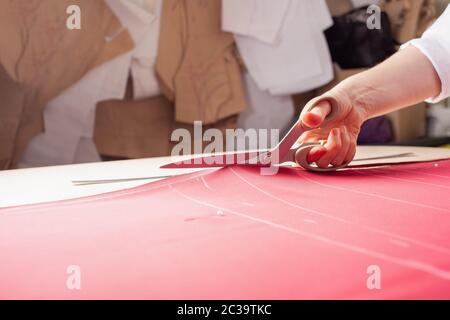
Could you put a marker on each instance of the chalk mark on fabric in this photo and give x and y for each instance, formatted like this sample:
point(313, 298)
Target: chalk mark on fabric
point(420, 205)
point(413, 264)
point(400, 243)
point(375, 230)
point(424, 173)
point(380, 175)
point(205, 183)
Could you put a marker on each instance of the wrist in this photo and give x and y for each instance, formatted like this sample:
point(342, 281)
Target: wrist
point(362, 97)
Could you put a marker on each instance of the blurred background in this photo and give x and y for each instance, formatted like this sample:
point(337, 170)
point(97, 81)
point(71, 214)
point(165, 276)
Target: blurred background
point(112, 79)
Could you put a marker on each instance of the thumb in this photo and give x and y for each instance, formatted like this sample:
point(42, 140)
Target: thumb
point(317, 114)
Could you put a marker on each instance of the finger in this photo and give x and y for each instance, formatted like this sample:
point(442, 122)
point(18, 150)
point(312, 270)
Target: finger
point(317, 114)
point(314, 135)
point(333, 146)
point(351, 152)
point(345, 141)
point(314, 154)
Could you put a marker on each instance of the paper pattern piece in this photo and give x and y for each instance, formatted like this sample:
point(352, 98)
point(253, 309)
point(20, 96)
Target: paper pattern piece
point(386, 155)
point(69, 118)
point(264, 110)
point(43, 58)
point(297, 58)
point(234, 234)
point(197, 65)
point(259, 19)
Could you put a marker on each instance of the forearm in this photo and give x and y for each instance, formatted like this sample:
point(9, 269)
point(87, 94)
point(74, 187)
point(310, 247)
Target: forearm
point(407, 78)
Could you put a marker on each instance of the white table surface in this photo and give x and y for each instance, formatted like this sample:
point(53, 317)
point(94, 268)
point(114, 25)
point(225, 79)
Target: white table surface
point(38, 185)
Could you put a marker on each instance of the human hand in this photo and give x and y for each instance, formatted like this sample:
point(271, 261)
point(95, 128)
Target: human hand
point(340, 129)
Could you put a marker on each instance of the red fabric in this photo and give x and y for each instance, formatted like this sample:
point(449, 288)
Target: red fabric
point(234, 234)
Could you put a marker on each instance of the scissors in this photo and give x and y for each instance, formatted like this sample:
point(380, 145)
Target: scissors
point(287, 150)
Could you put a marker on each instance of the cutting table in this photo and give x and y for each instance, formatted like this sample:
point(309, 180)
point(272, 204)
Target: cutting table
point(369, 233)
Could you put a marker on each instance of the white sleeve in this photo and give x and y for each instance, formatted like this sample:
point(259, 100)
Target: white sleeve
point(435, 44)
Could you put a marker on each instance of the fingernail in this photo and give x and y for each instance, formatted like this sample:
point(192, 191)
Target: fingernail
point(311, 119)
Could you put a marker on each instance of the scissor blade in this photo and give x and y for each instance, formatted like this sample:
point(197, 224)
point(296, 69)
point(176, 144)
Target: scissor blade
point(282, 152)
point(218, 160)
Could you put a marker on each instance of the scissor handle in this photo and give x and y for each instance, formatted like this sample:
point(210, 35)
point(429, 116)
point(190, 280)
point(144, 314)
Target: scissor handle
point(301, 157)
point(302, 151)
point(282, 150)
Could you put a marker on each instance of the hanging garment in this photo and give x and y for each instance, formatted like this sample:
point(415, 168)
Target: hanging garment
point(259, 19)
point(265, 111)
point(70, 117)
point(150, 135)
point(363, 3)
point(261, 29)
point(196, 63)
point(143, 61)
point(339, 7)
point(353, 45)
point(152, 121)
point(12, 97)
point(298, 59)
point(44, 58)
